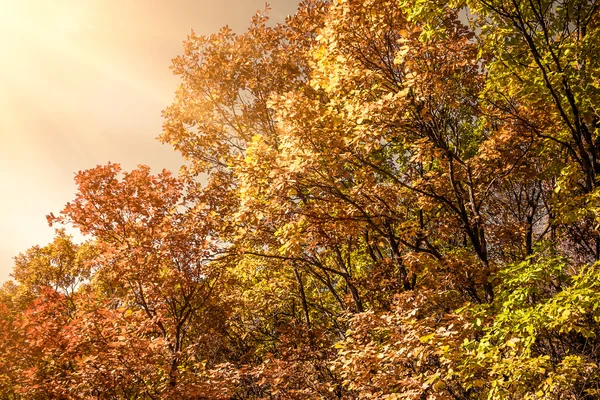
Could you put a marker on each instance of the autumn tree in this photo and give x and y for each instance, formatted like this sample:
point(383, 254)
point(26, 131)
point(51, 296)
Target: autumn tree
point(381, 199)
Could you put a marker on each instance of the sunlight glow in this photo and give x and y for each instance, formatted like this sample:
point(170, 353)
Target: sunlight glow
point(83, 82)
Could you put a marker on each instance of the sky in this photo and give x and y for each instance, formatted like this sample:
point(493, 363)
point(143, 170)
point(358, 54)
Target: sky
point(82, 83)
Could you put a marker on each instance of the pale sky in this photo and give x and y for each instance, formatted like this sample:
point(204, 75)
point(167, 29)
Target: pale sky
point(83, 82)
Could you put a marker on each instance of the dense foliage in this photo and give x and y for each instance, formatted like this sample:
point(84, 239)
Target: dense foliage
point(385, 199)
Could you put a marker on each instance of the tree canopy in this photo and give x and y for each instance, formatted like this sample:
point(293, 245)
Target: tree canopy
point(382, 199)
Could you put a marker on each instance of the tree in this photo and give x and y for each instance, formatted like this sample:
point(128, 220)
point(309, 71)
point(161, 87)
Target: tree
point(382, 199)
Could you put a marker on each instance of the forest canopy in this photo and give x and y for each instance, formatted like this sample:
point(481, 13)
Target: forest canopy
point(380, 199)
